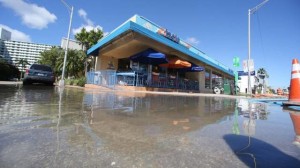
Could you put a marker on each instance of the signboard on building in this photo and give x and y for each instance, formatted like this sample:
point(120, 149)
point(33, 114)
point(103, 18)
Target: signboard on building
point(168, 35)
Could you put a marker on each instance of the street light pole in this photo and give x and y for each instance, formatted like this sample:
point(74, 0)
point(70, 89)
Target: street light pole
point(62, 80)
point(249, 52)
point(251, 11)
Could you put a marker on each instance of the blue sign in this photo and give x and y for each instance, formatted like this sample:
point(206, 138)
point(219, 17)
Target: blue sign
point(242, 73)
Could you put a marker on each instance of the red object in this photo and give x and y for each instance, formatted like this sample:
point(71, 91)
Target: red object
point(296, 122)
point(295, 82)
point(27, 71)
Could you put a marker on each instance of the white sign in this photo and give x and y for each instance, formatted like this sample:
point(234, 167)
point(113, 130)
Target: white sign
point(245, 65)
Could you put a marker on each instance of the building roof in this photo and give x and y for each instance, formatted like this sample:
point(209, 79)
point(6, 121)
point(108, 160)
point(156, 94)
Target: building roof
point(151, 30)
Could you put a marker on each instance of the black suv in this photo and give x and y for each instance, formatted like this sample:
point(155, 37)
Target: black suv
point(38, 73)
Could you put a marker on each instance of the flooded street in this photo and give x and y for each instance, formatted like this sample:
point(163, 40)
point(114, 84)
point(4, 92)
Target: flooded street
point(43, 126)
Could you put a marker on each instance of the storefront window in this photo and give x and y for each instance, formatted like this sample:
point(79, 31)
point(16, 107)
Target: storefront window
point(207, 79)
point(217, 80)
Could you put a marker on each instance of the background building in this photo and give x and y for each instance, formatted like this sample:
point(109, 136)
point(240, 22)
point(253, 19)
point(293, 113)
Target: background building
point(13, 51)
point(243, 81)
point(4, 34)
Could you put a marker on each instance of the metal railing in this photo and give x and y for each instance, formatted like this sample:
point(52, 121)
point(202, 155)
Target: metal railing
point(105, 78)
point(110, 78)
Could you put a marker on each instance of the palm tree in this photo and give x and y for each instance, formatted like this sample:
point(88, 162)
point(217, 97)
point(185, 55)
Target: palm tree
point(23, 62)
point(262, 71)
point(87, 39)
point(82, 38)
point(262, 74)
point(74, 66)
point(52, 58)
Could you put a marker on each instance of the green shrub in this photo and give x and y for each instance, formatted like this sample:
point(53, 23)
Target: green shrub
point(67, 81)
point(75, 82)
point(81, 81)
point(259, 90)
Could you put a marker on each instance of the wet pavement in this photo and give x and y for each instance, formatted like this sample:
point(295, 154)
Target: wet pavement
point(42, 126)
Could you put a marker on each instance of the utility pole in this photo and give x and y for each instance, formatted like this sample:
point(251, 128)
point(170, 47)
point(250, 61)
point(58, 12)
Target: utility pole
point(251, 11)
point(62, 80)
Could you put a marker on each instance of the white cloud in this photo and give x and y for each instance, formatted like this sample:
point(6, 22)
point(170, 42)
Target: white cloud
point(88, 24)
point(32, 15)
point(17, 35)
point(82, 13)
point(192, 40)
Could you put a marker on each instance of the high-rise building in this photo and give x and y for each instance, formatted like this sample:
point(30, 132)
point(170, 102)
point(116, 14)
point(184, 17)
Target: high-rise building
point(5, 34)
point(13, 51)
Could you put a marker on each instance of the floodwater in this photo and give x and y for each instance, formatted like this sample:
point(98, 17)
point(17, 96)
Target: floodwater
point(43, 126)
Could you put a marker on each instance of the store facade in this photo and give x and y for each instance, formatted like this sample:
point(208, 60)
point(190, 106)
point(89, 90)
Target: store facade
point(169, 62)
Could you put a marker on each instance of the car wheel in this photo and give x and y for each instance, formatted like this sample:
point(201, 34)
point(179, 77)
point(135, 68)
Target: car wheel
point(25, 82)
point(49, 84)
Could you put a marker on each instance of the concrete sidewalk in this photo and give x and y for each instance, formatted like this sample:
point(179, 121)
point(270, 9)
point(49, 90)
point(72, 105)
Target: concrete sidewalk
point(10, 82)
point(130, 91)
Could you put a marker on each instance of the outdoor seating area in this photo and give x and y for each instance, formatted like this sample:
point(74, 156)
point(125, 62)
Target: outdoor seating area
point(157, 80)
point(149, 68)
point(110, 78)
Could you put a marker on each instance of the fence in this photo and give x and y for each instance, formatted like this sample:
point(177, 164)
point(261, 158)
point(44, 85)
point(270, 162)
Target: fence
point(106, 78)
point(109, 78)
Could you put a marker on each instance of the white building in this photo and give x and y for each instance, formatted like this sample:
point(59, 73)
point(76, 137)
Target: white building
point(243, 81)
point(13, 51)
point(5, 34)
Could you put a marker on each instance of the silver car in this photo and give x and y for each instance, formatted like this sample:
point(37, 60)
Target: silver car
point(38, 73)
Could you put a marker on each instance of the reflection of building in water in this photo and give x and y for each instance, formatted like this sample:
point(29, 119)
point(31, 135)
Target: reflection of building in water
point(252, 111)
point(143, 121)
point(126, 102)
point(23, 103)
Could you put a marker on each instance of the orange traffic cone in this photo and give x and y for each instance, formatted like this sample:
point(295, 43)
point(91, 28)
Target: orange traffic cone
point(294, 97)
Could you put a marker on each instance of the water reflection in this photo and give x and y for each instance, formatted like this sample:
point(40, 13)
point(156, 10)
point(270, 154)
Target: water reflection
point(294, 112)
point(296, 122)
point(90, 128)
point(252, 111)
point(256, 152)
point(141, 121)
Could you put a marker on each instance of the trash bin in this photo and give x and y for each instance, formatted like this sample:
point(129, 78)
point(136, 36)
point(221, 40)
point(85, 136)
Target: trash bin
point(227, 89)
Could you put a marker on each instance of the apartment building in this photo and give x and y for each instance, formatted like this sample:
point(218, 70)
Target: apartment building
point(13, 51)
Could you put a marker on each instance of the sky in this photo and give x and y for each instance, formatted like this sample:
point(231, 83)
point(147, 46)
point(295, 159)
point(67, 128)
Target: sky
point(217, 27)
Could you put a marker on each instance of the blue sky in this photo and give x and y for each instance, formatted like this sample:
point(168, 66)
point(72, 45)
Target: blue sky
point(217, 27)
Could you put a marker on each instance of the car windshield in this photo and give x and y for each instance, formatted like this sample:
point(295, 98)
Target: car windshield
point(41, 68)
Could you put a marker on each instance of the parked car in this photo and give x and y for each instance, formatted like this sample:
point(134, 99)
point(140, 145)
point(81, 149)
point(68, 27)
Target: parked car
point(38, 73)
